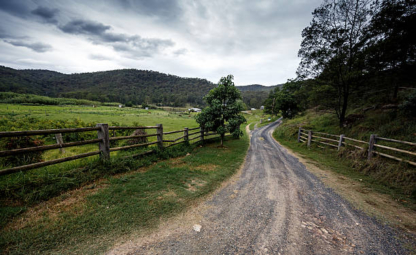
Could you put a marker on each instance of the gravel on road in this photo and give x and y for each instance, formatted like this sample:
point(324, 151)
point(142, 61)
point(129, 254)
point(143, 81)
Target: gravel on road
point(275, 206)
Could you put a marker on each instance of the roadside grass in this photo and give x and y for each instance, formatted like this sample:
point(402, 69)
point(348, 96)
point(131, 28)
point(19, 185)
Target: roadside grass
point(267, 122)
point(254, 117)
point(92, 218)
point(383, 176)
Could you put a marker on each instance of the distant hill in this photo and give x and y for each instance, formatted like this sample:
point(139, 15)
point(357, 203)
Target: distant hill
point(257, 87)
point(125, 86)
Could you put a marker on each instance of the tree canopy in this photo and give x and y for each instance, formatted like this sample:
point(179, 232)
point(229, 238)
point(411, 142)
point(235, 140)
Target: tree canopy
point(354, 50)
point(222, 114)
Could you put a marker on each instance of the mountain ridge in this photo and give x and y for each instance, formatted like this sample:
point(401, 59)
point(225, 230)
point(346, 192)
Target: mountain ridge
point(122, 85)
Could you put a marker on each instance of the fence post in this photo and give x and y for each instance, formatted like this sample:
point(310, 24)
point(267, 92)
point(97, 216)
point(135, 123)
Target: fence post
point(160, 135)
point(185, 134)
point(104, 145)
point(60, 141)
point(299, 132)
point(373, 139)
point(309, 138)
point(202, 135)
point(341, 139)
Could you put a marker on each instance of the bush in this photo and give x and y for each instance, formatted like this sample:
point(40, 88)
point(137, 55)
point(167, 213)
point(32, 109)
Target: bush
point(408, 107)
point(13, 143)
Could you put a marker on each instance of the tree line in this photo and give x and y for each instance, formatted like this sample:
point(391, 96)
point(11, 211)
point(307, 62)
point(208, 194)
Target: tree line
point(354, 52)
point(128, 86)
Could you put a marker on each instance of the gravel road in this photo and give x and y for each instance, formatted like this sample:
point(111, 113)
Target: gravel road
point(276, 207)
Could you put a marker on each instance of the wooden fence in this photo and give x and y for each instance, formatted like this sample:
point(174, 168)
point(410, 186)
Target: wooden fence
point(338, 141)
point(103, 140)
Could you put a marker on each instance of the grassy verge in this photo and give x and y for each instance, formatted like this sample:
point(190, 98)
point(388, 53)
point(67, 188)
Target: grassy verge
point(254, 117)
point(387, 177)
point(90, 219)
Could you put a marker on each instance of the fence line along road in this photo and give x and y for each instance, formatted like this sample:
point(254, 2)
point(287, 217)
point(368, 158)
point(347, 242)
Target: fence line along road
point(103, 141)
point(309, 136)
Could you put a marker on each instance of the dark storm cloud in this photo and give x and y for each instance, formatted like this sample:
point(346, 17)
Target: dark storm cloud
point(85, 27)
point(46, 14)
point(100, 34)
point(37, 46)
point(15, 7)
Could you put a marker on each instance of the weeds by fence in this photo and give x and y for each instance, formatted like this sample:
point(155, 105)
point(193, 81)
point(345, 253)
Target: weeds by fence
point(103, 140)
point(372, 146)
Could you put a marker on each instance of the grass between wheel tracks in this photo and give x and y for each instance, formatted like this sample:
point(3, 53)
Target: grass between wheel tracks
point(90, 219)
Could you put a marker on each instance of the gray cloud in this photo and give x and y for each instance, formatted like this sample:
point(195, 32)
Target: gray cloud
point(180, 52)
point(85, 27)
point(100, 34)
point(257, 41)
point(15, 7)
point(37, 46)
point(46, 14)
point(161, 9)
point(98, 57)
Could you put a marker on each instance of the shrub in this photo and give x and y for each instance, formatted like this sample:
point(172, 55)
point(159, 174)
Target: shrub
point(408, 107)
point(13, 143)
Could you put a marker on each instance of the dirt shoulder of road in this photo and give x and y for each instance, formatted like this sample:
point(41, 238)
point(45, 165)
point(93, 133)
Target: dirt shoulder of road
point(380, 206)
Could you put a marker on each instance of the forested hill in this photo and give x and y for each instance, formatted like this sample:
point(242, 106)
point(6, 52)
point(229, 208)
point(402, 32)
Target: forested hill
point(127, 85)
point(257, 87)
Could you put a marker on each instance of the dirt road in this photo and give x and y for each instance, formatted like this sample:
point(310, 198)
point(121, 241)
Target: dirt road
point(275, 207)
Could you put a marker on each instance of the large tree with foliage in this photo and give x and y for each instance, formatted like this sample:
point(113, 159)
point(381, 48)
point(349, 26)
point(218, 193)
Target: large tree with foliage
point(223, 112)
point(332, 46)
point(289, 100)
point(391, 53)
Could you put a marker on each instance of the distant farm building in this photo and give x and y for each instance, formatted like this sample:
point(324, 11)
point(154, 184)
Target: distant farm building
point(194, 110)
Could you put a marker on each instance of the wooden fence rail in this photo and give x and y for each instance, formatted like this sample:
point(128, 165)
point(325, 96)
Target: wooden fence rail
point(308, 136)
point(103, 141)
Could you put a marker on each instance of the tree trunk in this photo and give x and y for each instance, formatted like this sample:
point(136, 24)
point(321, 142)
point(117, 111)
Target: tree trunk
point(343, 110)
point(222, 140)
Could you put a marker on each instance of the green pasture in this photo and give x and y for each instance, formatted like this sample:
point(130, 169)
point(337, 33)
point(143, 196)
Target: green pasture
point(101, 114)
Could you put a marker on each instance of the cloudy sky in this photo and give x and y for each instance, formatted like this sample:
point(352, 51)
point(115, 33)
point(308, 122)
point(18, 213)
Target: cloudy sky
point(256, 41)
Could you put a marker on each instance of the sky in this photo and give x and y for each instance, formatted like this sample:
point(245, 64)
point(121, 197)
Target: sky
point(256, 41)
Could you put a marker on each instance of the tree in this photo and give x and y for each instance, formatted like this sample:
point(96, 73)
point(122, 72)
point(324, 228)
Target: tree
point(288, 100)
point(222, 114)
point(332, 46)
point(391, 54)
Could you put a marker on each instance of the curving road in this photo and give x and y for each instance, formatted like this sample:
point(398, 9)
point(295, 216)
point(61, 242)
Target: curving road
point(276, 207)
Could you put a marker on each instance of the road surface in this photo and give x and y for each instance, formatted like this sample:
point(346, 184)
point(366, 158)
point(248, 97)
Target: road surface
point(276, 207)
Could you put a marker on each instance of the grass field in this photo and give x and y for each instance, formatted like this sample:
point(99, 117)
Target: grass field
point(91, 219)
point(21, 193)
point(101, 114)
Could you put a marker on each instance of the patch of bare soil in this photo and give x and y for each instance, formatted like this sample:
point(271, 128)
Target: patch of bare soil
point(381, 206)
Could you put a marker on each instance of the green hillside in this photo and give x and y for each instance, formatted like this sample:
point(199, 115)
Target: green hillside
point(127, 85)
